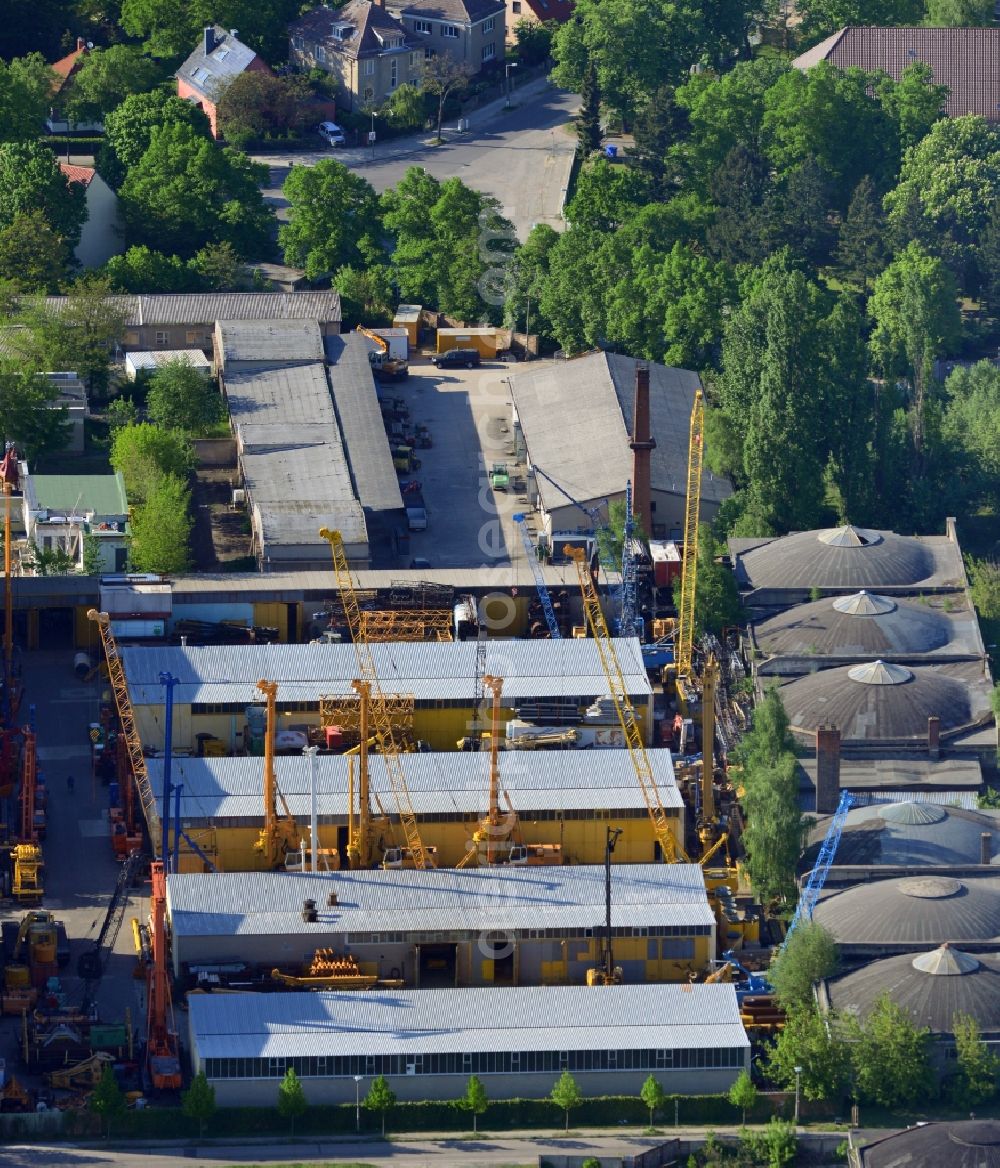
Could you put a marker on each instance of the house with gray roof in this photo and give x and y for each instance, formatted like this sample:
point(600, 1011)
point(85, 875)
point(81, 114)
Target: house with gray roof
point(369, 52)
point(471, 31)
point(219, 58)
point(966, 60)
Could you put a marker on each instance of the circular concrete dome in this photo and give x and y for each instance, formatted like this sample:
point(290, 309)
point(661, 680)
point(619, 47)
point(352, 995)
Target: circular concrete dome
point(841, 558)
point(929, 887)
point(945, 962)
point(864, 603)
point(912, 813)
point(881, 701)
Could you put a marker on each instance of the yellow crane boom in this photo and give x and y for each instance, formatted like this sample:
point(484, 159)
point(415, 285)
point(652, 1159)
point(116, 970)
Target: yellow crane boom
point(126, 718)
point(684, 645)
point(381, 722)
point(671, 849)
point(277, 833)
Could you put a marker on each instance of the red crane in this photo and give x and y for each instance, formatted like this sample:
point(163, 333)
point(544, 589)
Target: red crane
point(162, 1058)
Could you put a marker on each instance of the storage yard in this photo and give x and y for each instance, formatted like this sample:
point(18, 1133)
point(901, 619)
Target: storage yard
point(450, 820)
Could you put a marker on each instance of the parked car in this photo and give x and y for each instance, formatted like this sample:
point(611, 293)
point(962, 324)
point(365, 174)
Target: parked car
point(332, 134)
point(455, 358)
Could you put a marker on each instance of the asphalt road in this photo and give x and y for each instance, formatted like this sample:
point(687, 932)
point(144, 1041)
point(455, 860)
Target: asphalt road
point(522, 156)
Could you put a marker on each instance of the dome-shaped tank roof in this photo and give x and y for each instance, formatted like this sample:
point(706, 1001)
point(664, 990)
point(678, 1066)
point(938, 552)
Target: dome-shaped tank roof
point(963, 1144)
point(879, 703)
point(945, 961)
point(917, 910)
point(846, 557)
point(861, 626)
point(912, 813)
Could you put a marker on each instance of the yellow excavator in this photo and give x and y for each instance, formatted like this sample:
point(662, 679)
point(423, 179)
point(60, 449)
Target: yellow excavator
point(385, 367)
point(81, 1076)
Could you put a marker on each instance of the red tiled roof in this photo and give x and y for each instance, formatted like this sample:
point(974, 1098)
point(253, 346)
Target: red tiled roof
point(83, 175)
point(967, 60)
point(66, 66)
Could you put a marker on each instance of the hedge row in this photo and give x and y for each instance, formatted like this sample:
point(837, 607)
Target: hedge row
point(506, 1114)
point(73, 144)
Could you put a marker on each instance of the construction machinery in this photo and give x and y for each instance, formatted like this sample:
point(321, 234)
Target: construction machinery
point(11, 692)
point(707, 818)
point(432, 624)
point(500, 476)
point(684, 648)
point(279, 832)
point(496, 839)
point(671, 850)
point(162, 1061)
point(414, 854)
point(607, 973)
point(536, 571)
point(384, 366)
point(330, 971)
point(27, 886)
point(126, 720)
point(82, 1076)
point(90, 964)
point(817, 877)
point(33, 956)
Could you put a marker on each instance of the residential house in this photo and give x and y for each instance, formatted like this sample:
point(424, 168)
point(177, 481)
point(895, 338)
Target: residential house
point(471, 31)
point(966, 60)
point(369, 52)
point(536, 12)
point(219, 59)
point(62, 511)
point(101, 237)
point(65, 69)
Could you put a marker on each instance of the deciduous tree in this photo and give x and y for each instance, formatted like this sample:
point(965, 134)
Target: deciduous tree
point(107, 1099)
point(978, 1066)
point(566, 1094)
point(475, 1100)
point(405, 108)
point(33, 257)
point(106, 77)
point(820, 17)
point(255, 104)
point(534, 40)
point(25, 94)
point(27, 416)
point(588, 120)
point(333, 219)
point(128, 129)
point(971, 423)
point(30, 180)
point(743, 1094)
point(380, 1098)
point(959, 13)
point(441, 75)
point(653, 1095)
point(198, 1101)
point(292, 1102)
point(913, 102)
point(817, 1044)
point(140, 269)
point(891, 1057)
point(809, 956)
point(145, 453)
point(181, 397)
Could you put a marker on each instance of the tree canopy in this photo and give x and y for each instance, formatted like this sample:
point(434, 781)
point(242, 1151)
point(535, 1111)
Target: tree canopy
point(332, 219)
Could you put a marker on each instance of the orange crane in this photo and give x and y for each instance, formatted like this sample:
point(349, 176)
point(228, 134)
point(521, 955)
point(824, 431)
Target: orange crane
point(278, 834)
point(126, 719)
point(414, 854)
point(684, 645)
point(671, 849)
point(162, 1058)
point(384, 365)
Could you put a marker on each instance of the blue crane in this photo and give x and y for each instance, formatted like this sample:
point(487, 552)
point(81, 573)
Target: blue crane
point(536, 571)
point(817, 877)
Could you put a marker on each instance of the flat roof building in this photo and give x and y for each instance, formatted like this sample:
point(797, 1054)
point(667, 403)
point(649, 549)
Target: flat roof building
point(471, 926)
point(428, 1042)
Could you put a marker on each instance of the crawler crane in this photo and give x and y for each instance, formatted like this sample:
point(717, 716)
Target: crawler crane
point(414, 854)
point(162, 1059)
point(279, 834)
point(684, 646)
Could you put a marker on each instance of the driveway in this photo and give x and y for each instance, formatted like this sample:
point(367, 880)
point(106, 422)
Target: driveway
point(521, 156)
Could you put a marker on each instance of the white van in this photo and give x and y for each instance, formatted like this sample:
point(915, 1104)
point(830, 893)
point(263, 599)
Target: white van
point(332, 133)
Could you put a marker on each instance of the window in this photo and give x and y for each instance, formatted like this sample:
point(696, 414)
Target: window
point(369, 70)
point(369, 94)
point(191, 337)
point(416, 59)
point(449, 30)
point(428, 53)
point(221, 54)
point(297, 43)
point(321, 54)
point(516, 7)
point(490, 25)
point(394, 73)
point(162, 337)
point(489, 51)
point(422, 26)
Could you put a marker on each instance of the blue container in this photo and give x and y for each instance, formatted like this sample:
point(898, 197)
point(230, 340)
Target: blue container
point(113, 794)
point(611, 152)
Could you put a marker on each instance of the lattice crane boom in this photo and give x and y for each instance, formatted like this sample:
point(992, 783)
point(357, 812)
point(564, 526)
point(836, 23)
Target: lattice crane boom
point(536, 571)
point(671, 849)
point(381, 723)
point(161, 1037)
point(689, 561)
point(817, 877)
point(126, 718)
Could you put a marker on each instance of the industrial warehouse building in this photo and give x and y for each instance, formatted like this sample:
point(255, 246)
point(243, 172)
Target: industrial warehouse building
point(217, 683)
point(573, 420)
point(475, 926)
point(427, 1043)
point(566, 797)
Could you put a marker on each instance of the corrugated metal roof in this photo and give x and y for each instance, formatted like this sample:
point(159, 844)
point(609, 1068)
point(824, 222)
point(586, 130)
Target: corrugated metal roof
point(431, 671)
point(576, 417)
point(498, 1018)
point(208, 307)
point(558, 780)
point(154, 358)
point(280, 395)
point(271, 340)
point(361, 423)
point(228, 904)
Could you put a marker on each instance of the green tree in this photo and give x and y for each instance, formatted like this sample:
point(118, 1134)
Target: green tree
point(653, 1095)
point(107, 1099)
point(140, 269)
point(959, 13)
point(913, 102)
point(405, 109)
point(217, 267)
point(475, 1100)
point(122, 412)
point(93, 559)
point(172, 28)
point(32, 256)
point(30, 180)
point(185, 192)
point(566, 1094)
point(743, 1094)
point(533, 40)
point(366, 294)
point(181, 397)
point(27, 416)
point(606, 196)
point(333, 219)
point(984, 586)
point(892, 1057)
point(380, 1098)
point(772, 836)
point(978, 1066)
point(821, 17)
point(440, 76)
point(145, 453)
point(588, 120)
point(106, 77)
point(128, 129)
point(817, 1044)
point(255, 104)
point(740, 189)
point(292, 1102)
point(161, 528)
point(198, 1102)
point(25, 95)
point(527, 274)
point(861, 246)
point(915, 311)
point(717, 601)
point(82, 333)
point(987, 260)
point(781, 1142)
point(798, 216)
point(809, 956)
point(572, 293)
point(971, 422)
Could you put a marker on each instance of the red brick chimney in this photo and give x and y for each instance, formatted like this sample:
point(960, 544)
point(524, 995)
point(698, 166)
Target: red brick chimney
point(641, 444)
point(934, 736)
point(827, 769)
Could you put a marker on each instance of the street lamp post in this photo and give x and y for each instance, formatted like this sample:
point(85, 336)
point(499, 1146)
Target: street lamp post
point(357, 1102)
point(510, 65)
point(371, 136)
point(798, 1083)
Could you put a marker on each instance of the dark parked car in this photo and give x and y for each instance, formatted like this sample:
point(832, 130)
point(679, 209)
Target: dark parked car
point(455, 358)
